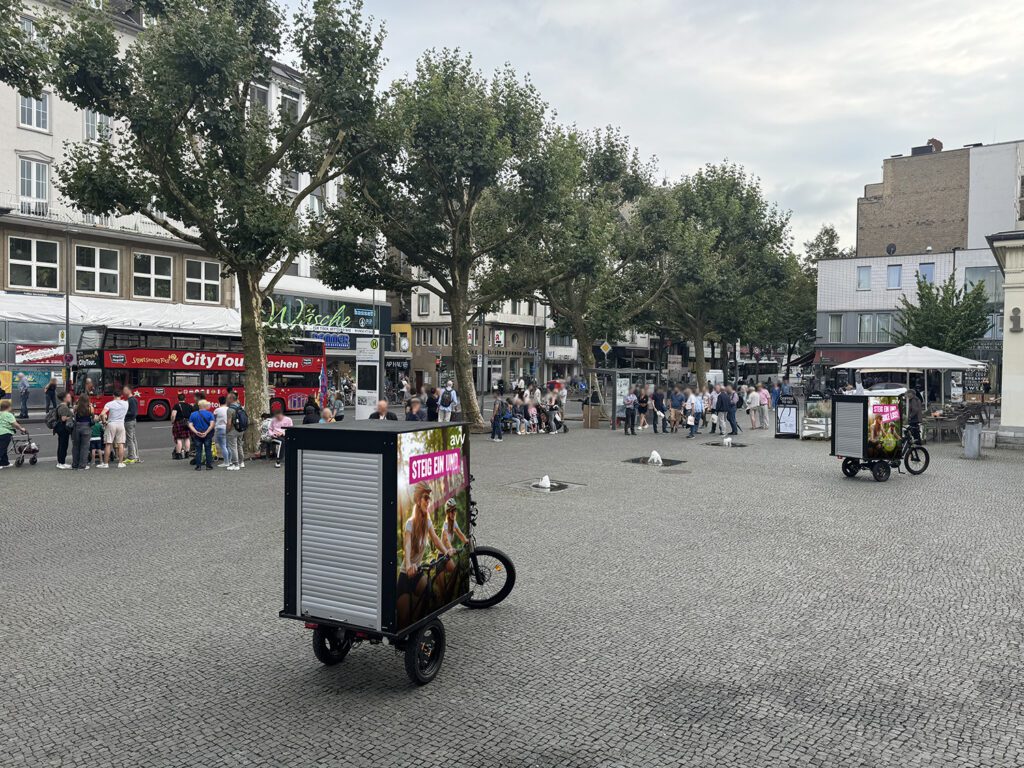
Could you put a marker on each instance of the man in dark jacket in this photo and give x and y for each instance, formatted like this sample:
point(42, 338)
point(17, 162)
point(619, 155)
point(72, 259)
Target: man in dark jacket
point(382, 413)
point(915, 408)
point(727, 406)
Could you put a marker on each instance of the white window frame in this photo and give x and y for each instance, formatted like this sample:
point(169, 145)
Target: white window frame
point(445, 309)
point(202, 281)
point(288, 95)
point(33, 263)
point(258, 88)
point(868, 268)
point(837, 338)
point(869, 337)
point(318, 200)
point(96, 270)
point(423, 304)
point(879, 331)
point(890, 270)
point(931, 264)
point(97, 125)
point(33, 204)
point(36, 108)
point(153, 277)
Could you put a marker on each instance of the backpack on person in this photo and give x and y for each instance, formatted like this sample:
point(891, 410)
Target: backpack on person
point(240, 419)
point(446, 399)
point(52, 419)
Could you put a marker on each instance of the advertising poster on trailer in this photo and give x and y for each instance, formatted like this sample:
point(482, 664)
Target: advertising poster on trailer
point(433, 522)
point(884, 427)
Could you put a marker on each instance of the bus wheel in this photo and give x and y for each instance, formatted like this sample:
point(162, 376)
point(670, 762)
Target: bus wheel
point(159, 410)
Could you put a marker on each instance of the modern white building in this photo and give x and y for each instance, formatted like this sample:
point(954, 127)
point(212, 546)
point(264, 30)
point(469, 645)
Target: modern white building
point(931, 216)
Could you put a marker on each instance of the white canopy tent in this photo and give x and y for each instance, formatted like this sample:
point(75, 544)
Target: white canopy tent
point(908, 359)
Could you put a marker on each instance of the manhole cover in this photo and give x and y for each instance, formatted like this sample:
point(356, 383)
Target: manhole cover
point(555, 486)
point(647, 460)
point(718, 444)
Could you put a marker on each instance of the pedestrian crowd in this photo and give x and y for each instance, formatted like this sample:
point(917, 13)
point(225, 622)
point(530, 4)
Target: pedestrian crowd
point(691, 409)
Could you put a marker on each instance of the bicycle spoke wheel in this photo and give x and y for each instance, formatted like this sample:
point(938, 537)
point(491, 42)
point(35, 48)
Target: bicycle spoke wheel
point(916, 460)
point(491, 577)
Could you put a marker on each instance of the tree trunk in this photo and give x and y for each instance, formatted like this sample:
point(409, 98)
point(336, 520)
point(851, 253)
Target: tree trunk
point(464, 365)
point(254, 348)
point(699, 367)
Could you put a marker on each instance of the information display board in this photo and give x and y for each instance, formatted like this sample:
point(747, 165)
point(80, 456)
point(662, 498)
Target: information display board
point(787, 417)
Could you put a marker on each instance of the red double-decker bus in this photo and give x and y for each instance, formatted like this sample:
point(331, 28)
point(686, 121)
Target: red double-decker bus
point(159, 365)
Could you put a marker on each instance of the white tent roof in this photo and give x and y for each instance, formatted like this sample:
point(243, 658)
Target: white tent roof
point(89, 310)
point(909, 358)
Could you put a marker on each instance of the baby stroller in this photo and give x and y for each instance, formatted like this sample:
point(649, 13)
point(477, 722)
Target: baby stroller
point(23, 447)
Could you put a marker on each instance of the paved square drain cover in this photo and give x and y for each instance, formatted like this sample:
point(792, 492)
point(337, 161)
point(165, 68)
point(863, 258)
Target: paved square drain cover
point(556, 486)
point(647, 460)
point(720, 444)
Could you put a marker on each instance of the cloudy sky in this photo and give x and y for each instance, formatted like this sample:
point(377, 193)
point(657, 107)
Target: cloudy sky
point(810, 95)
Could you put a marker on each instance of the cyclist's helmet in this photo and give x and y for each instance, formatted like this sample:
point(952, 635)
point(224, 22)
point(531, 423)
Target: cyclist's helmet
point(450, 504)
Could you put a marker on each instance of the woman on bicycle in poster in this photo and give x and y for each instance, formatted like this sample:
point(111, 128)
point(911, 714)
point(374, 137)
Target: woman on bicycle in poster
point(417, 533)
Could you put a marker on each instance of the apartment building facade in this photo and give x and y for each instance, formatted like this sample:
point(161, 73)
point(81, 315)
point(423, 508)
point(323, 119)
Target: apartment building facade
point(929, 217)
point(60, 266)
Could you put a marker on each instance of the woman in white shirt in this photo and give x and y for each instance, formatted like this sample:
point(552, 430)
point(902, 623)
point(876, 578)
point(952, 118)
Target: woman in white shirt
point(753, 403)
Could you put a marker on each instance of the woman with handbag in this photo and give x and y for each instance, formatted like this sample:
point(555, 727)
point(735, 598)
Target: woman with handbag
point(82, 434)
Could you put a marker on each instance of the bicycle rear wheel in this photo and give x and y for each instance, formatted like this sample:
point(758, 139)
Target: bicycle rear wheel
point(491, 577)
point(917, 459)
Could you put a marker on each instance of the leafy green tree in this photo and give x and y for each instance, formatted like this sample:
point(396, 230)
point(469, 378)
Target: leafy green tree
point(192, 152)
point(23, 61)
point(790, 321)
point(605, 289)
point(725, 244)
point(825, 245)
point(450, 205)
point(945, 317)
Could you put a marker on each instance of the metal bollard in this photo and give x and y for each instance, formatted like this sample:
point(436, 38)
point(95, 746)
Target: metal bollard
point(972, 439)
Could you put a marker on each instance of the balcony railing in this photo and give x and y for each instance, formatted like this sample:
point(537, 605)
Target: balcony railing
point(68, 215)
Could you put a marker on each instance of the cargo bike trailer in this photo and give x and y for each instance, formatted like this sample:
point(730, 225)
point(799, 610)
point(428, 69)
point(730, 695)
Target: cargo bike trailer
point(868, 433)
point(378, 539)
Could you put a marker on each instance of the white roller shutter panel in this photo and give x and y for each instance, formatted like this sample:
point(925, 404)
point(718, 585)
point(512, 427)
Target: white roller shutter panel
point(849, 429)
point(339, 499)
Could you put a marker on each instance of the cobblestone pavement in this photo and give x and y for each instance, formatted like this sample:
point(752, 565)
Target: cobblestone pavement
point(750, 607)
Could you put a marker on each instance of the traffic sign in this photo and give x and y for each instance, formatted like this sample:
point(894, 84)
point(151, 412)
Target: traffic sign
point(605, 347)
point(62, 336)
point(69, 358)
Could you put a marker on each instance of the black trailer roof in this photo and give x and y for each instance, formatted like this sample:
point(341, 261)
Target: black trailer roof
point(375, 425)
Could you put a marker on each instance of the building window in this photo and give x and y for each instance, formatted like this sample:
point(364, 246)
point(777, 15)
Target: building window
point(863, 278)
point(515, 307)
point(151, 276)
point(835, 329)
point(529, 307)
point(883, 329)
point(202, 281)
point(926, 272)
point(423, 303)
point(259, 96)
point(446, 337)
point(35, 187)
point(317, 201)
point(32, 263)
point(34, 113)
point(97, 125)
point(471, 337)
point(291, 181)
point(991, 276)
point(96, 270)
point(894, 276)
point(515, 339)
point(865, 329)
point(445, 309)
point(290, 104)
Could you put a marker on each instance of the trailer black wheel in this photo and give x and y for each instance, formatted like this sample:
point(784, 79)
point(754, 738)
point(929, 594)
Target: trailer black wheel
point(424, 652)
point(491, 577)
point(851, 467)
point(35, 459)
point(916, 460)
point(331, 645)
point(880, 471)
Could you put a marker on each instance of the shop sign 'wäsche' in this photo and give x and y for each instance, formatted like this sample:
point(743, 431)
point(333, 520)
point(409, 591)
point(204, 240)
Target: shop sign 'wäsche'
point(299, 315)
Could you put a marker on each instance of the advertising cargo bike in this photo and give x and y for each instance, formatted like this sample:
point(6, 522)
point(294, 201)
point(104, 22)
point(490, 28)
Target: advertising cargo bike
point(378, 538)
point(868, 433)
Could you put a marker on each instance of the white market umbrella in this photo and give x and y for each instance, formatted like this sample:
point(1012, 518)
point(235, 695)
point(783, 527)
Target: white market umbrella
point(910, 358)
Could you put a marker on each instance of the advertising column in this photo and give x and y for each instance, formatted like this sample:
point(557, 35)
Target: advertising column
point(367, 376)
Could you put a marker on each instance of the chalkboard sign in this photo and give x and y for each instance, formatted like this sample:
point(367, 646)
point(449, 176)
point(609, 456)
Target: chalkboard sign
point(786, 417)
point(973, 380)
